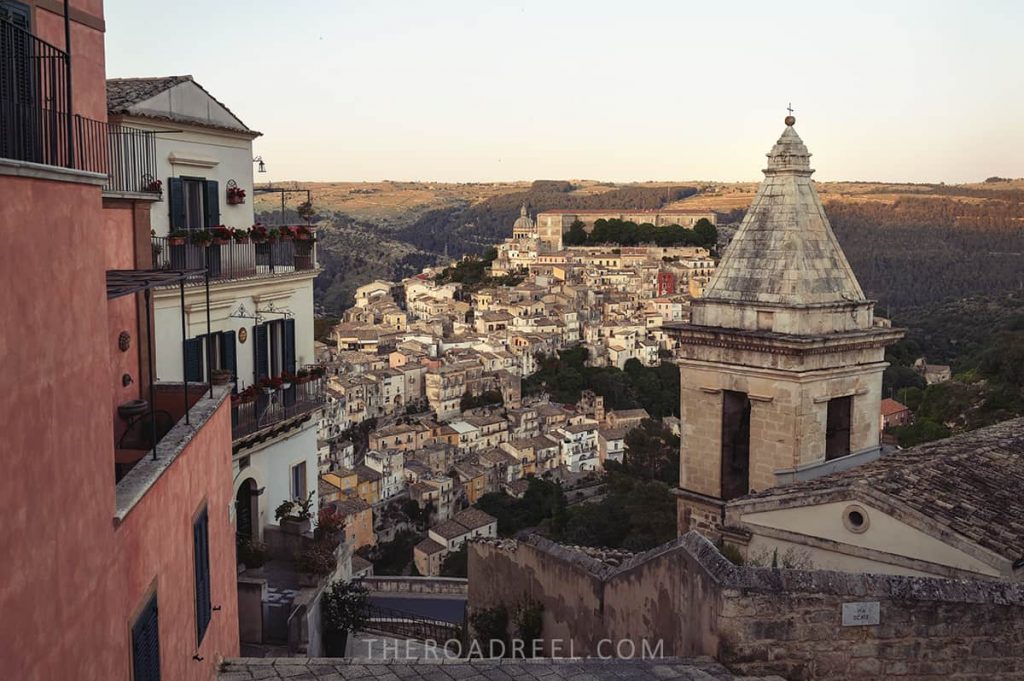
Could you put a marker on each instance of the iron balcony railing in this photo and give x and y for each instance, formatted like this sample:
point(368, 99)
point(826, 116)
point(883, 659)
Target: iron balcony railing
point(235, 260)
point(271, 408)
point(38, 123)
point(131, 160)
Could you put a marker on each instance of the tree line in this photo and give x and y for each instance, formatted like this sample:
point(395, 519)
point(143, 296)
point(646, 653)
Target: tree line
point(628, 233)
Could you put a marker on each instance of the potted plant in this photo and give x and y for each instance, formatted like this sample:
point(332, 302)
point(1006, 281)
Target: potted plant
point(241, 236)
point(202, 237)
point(330, 526)
point(273, 235)
point(177, 237)
point(344, 607)
point(236, 195)
point(220, 376)
point(222, 235)
point(305, 210)
point(259, 233)
point(315, 562)
point(285, 234)
point(248, 395)
point(287, 380)
point(293, 516)
point(271, 385)
point(303, 233)
point(154, 186)
point(251, 554)
point(302, 376)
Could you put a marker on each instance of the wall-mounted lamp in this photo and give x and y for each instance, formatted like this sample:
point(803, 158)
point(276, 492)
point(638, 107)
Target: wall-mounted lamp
point(262, 167)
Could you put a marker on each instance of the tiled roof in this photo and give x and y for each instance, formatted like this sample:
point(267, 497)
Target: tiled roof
point(473, 518)
point(429, 547)
point(450, 529)
point(890, 407)
point(973, 484)
point(124, 92)
point(426, 669)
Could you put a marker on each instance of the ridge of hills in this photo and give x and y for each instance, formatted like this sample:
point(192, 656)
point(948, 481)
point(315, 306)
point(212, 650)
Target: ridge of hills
point(909, 244)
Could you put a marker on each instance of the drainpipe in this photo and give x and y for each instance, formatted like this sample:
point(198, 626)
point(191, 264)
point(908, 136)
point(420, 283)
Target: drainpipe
point(69, 94)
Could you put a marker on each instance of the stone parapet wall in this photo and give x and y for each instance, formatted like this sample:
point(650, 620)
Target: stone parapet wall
point(453, 586)
point(759, 620)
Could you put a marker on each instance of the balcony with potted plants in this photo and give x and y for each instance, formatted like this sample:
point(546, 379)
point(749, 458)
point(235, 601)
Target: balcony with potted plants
point(231, 253)
point(277, 400)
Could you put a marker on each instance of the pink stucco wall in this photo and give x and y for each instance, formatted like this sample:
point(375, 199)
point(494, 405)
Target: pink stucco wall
point(73, 580)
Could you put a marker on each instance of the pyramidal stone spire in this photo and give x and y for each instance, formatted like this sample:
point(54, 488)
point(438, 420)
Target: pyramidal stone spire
point(785, 253)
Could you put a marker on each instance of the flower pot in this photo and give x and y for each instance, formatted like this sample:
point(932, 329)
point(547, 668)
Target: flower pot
point(176, 240)
point(242, 240)
point(335, 642)
point(268, 391)
point(286, 237)
point(295, 525)
point(285, 385)
point(220, 377)
point(220, 242)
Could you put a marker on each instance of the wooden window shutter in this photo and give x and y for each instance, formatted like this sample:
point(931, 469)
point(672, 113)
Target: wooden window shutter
point(146, 644)
point(229, 358)
point(201, 558)
point(259, 346)
point(288, 348)
point(194, 360)
point(176, 202)
point(212, 203)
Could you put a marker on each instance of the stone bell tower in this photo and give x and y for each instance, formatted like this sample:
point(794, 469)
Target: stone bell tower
point(781, 364)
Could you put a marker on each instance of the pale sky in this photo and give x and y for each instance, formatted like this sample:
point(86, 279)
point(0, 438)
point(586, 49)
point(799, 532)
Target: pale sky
point(482, 90)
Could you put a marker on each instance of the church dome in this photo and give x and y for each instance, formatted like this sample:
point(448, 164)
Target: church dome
point(523, 223)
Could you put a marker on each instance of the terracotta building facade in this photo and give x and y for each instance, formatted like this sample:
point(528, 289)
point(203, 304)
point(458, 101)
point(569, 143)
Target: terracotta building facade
point(118, 487)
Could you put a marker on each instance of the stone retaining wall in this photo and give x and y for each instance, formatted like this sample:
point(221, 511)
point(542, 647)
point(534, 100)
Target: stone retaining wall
point(758, 621)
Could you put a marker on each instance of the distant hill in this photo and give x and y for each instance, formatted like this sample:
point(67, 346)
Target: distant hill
point(910, 244)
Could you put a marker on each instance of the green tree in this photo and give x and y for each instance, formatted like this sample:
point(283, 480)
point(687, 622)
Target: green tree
point(456, 563)
point(706, 234)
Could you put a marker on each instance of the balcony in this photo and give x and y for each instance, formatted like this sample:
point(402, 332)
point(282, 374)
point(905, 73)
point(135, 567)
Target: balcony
point(38, 124)
point(275, 408)
point(235, 259)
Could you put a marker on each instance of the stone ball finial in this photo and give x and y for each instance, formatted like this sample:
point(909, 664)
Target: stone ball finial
point(790, 120)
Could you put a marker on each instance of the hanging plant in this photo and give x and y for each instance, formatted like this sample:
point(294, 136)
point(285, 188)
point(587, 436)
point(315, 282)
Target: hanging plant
point(305, 210)
point(202, 238)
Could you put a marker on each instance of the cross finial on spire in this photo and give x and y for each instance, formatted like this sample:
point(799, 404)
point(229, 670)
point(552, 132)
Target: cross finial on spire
point(790, 108)
point(789, 119)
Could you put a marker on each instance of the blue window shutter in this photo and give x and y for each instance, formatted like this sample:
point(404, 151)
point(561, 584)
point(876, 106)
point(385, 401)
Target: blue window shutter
point(259, 346)
point(146, 644)
point(212, 203)
point(194, 360)
point(201, 557)
point(228, 357)
point(176, 202)
point(288, 350)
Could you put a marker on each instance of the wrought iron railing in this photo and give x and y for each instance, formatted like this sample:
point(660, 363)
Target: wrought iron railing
point(36, 120)
point(274, 407)
point(234, 260)
point(131, 160)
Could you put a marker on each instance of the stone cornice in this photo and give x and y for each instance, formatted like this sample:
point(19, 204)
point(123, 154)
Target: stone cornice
point(782, 344)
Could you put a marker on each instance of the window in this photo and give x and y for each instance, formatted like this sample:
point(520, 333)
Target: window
point(274, 348)
point(837, 427)
point(193, 202)
point(218, 351)
point(299, 481)
point(201, 558)
point(735, 444)
point(146, 644)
